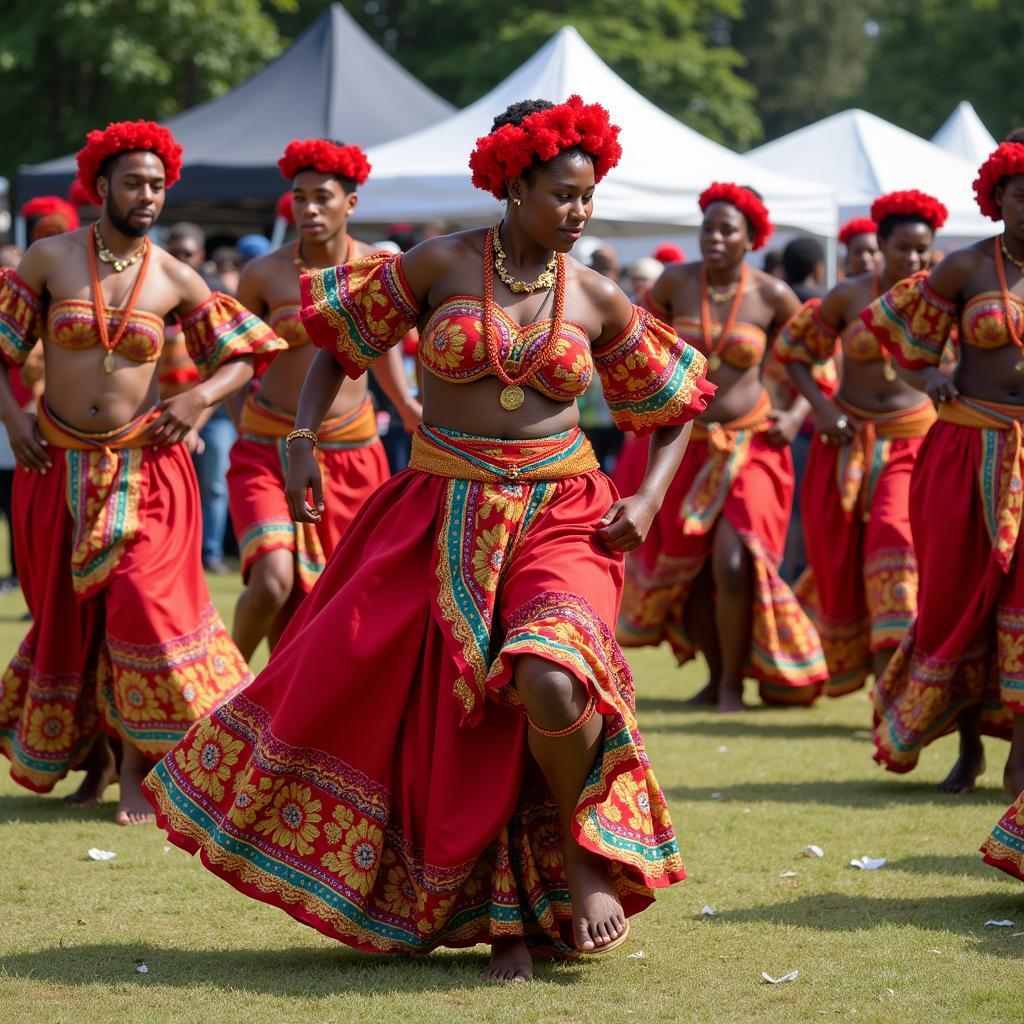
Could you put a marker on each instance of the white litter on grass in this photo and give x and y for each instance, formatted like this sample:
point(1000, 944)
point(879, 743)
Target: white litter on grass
point(95, 854)
point(868, 863)
point(716, 796)
point(813, 851)
point(998, 924)
point(863, 734)
point(722, 749)
point(142, 969)
point(788, 874)
point(167, 849)
point(638, 955)
point(792, 976)
point(709, 911)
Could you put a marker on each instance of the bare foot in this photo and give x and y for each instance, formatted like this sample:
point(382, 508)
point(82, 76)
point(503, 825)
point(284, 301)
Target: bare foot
point(133, 808)
point(597, 918)
point(510, 961)
point(100, 771)
point(965, 773)
point(709, 695)
point(730, 703)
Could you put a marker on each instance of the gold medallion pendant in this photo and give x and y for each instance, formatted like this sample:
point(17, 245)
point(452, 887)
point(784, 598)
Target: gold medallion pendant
point(108, 362)
point(512, 397)
point(714, 362)
point(889, 371)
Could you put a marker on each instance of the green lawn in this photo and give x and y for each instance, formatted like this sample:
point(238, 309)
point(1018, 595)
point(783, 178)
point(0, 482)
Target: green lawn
point(906, 943)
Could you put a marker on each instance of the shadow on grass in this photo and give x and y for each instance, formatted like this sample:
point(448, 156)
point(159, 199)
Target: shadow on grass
point(296, 971)
point(833, 912)
point(836, 793)
point(945, 864)
point(32, 807)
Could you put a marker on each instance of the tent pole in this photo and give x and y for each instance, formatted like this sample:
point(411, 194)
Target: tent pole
point(280, 230)
point(20, 233)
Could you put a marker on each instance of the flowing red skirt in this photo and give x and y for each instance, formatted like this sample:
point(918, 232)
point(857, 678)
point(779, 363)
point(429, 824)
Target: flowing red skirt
point(1004, 848)
point(143, 655)
point(374, 780)
point(966, 646)
point(786, 656)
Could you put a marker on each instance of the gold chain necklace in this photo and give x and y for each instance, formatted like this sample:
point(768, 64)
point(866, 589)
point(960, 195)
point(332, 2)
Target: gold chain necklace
point(723, 296)
point(117, 262)
point(546, 278)
point(1019, 264)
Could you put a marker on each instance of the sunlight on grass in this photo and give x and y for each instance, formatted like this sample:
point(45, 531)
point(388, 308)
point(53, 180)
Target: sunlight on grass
point(748, 793)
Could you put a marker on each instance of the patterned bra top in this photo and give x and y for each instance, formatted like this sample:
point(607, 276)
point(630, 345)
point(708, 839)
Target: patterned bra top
point(285, 322)
point(859, 344)
point(745, 347)
point(71, 324)
point(452, 347)
point(983, 321)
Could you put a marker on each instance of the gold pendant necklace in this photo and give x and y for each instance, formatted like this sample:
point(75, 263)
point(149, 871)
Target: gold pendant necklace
point(723, 296)
point(546, 278)
point(1019, 264)
point(117, 262)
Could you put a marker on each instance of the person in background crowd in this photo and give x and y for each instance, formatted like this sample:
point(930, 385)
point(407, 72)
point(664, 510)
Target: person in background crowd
point(227, 265)
point(46, 216)
point(860, 237)
point(251, 247)
point(125, 639)
point(605, 260)
point(640, 276)
point(707, 577)
point(771, 263)
point(668, 253)
point(803, 267)
point(281, 559)
point(861, 590)
point(959, 665)
point(187, 242)
point(405, 236)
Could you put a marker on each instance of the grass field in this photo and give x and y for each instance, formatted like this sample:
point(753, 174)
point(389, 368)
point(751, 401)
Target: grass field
point(748, 793)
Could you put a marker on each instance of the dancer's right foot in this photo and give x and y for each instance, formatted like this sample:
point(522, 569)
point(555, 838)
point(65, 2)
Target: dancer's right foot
point(100, 771)
point(707, 696)
point(964, 776)
point(598, 919)
point(510, 961)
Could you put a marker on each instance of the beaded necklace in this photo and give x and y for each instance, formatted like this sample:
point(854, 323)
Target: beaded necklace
point(102, 327)
point(1008, 311)
point(707, 326)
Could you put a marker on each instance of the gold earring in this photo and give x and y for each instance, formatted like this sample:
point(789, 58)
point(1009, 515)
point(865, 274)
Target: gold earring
point(517, 201)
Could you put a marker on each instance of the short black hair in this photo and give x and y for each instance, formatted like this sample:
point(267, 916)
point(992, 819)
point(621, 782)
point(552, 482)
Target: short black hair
point(771, 259)
point(515, 114)
point(800, 257)
point(187, 229)
point(888, 224)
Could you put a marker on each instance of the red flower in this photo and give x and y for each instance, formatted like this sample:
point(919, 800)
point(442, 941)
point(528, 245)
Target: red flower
point(60, 211)
point(126, 137)
point(510, 149)
point(912, 203)
point(326, 157)
point(284, 207)
point(669, 253)
point(1006, 160)
point(746, 202)
point(857, 226)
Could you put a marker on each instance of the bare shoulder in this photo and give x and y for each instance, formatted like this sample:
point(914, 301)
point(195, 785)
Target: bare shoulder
point(611, 302)
point(436, 258)
point(264, 267)
point(43, 257)
point(190, 288)
point(951, 276)
point(771, 288)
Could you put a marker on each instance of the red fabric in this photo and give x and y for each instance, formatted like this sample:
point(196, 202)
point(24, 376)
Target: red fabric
point(144, 656)
point(1004, 848)
point(912, 203)
point(126, 137)
point(1005, 161)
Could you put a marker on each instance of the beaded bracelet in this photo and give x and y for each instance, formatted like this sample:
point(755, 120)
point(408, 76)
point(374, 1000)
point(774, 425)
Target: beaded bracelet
point(303, 432)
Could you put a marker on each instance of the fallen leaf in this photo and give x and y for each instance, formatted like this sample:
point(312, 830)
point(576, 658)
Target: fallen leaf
point(95, 854)
point(868, 863)
point(813, 851)
point(792, 976)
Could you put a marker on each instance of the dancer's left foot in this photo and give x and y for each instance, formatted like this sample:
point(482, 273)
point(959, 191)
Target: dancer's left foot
point(510, 961)
point(133, 808)
point(100, 771)
point(598, 921)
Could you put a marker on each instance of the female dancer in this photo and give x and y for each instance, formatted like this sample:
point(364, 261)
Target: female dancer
point(374, 780)
point(862, 584)
point(282, 559)
point(960, 664)
point(863, 256)
point(711, 582)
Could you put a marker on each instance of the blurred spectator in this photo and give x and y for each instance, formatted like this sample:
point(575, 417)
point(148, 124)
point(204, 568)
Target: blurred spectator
point(669, 253)
point(386, 245)
point(803, 266)
point(641, 276)
point(605, 260)
point(405, 236)
point(771, 263)
point(10, 257)
point(228, 266)
point(187, 242)
point(435, 228)
point(249, 247)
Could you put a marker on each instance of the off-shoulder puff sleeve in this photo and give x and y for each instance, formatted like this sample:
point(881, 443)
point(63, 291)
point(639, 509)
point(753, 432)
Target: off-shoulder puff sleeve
point(911, 322)
point(807, 337)
point(651, 377)
point(21, 318)
point(358, 311)
point(222, 329)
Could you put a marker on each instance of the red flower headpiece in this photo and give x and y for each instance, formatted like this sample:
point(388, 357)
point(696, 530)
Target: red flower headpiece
point(284, 207)
point(1005, 160)
point(911, 203)
point(669, 253)
point(77, 195)
point(857, 226)
point(746, 202)
point(58, 210)
point(510, 149)
point(326, 157)
point(127, 137)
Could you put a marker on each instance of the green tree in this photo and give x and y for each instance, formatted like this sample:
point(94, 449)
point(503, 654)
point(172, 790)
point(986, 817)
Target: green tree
point(67, 66)
point(931, 54)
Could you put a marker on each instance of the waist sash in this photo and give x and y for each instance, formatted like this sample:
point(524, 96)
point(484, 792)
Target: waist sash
point(459, 456)
point(1000, 477)
point(263, 422)
point(104, 489)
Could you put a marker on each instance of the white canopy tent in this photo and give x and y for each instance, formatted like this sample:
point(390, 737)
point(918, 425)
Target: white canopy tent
point(964, 134)
point(665, 166)
point(861, 156)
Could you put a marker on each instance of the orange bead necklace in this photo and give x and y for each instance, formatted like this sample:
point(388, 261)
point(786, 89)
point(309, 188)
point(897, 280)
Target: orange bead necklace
point(1007, 308)
point(512, 395)
point(102, 327)
point(713, 341)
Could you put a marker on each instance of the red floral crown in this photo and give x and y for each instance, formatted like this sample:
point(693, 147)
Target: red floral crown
point(1004, 161)
point(126, 137)
point(857, 226)
point(507, 151)
point(911, 203)
point(77, 195)
point(284, 208)
point(746, 202)
point(326, 157)
point(60, 210)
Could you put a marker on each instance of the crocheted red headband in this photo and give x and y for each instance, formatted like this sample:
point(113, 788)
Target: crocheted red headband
point(857, 226)
point(127, 137)
point(59, 211)
point(326, 157)
point(1006, 160)
point(284, 207)
point(746, 202)
point(911, 203)
point(508, 151)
